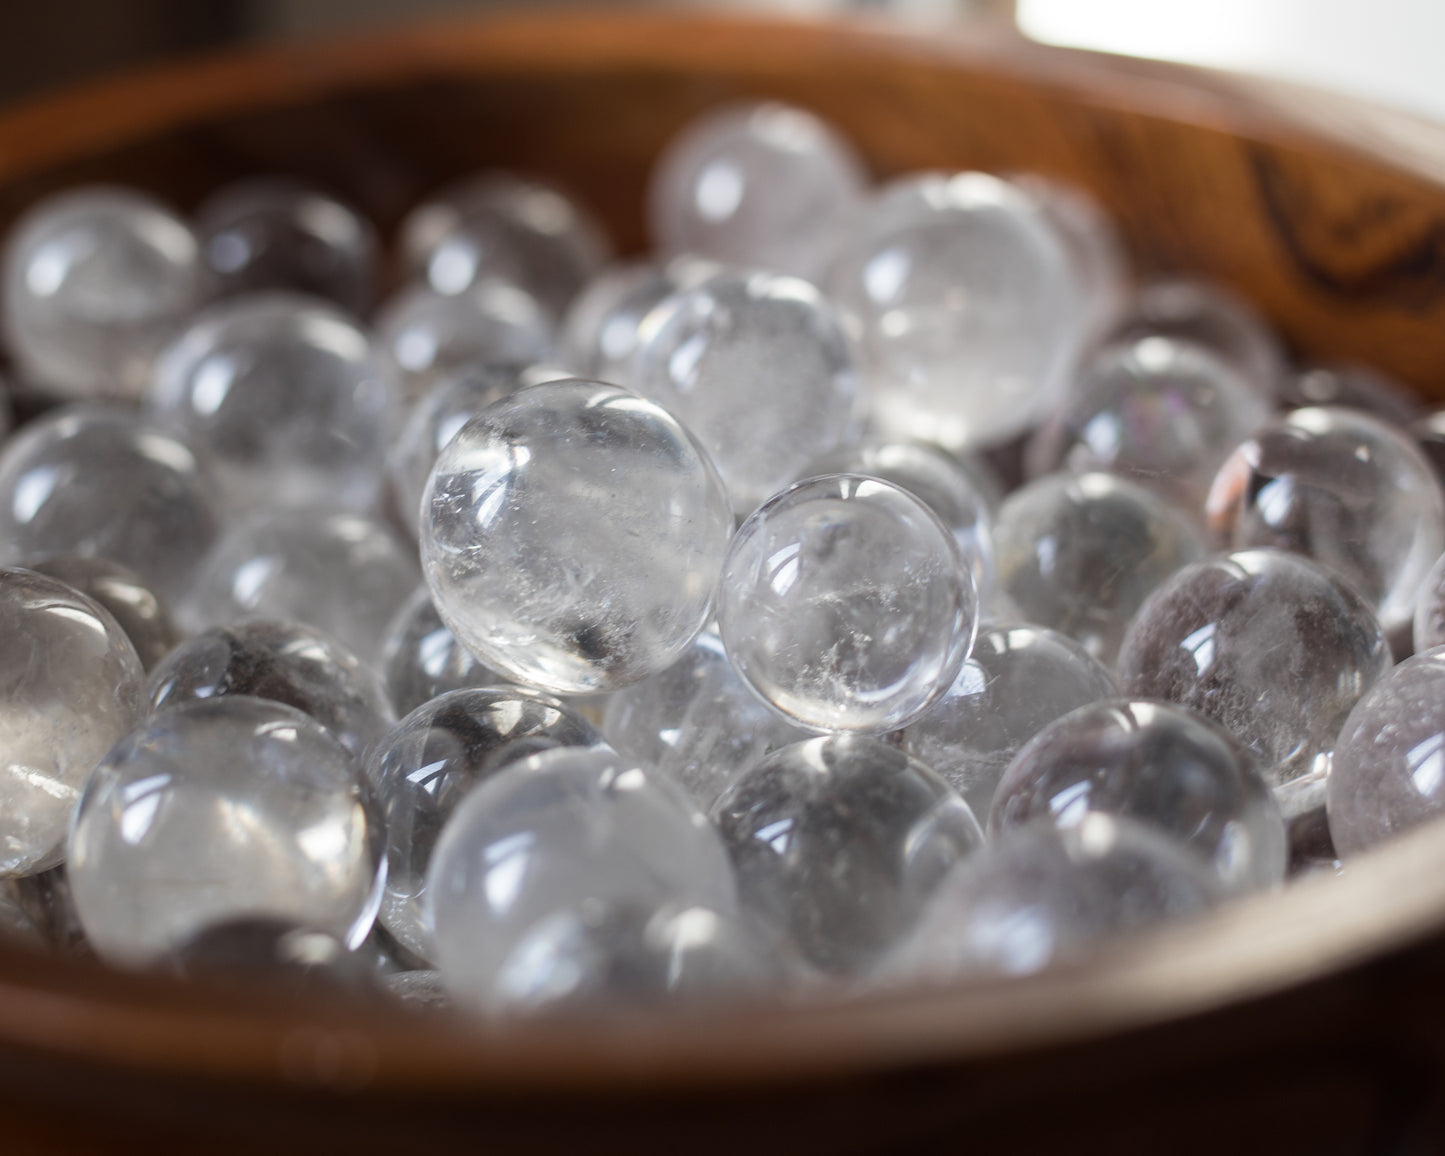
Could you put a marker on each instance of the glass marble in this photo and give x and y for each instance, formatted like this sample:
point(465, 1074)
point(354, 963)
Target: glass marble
point(421, 659)
point(1161, 765)
point(278, 233)
point(573, 536)
point(288, 397)
point(759, 368)
point(96, 280)
point(136, 608)
point(762, 184)
point(431, 761)
point(1353, 386)
point(1428, 627)
point(838, 842)
point(1388, 772)
point(847, 604)
point(343, 573)
point(275, 952)
point(102, 481)
point(1080, 553)
point(217, 810)
point(964, 305)
point(563, 828)
point(1343, 488)
point(70, 687)
point(1018, 679)
point(696, 722)
point(1269, 645)
point(284, 662)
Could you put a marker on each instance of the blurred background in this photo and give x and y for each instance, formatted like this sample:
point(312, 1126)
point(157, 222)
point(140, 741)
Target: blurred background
point(1383, 50)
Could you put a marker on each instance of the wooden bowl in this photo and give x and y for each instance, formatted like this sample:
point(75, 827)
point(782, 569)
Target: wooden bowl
point(1307, 1020)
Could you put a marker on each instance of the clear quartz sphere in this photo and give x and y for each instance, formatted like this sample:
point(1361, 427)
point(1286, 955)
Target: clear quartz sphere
point(1353, 386)
point(838, 842)
point(1388, 771)
point(1018, 679)
point(696, 722)
point(422, 659)
point(559, 829)
point(1270, 646)
point(278, 233)
point(573, 536)
point(282, 662)
point(966, 311)
point(1345, 489)
point(222, 809)
point(431, 761)
point(847, 604)
point(1080, 553)
point(759, 368)
point(95, 282)
point(1160, 765)
point(761, 184)
point(102, 481)
point(1429, 622)
point(287, 396)
point(72, 687)
point(342, 572)
point(136, 608)
point(1161, 411)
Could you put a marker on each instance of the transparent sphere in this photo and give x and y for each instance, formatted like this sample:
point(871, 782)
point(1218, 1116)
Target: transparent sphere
point(421, 659)
point(431, 761)
point(573, 535)
point(1161, 411)
point(1388, 771)
point(696, 722)
point(1429, 621)
point(222, 809)
point(276, 233)
point(283, 662)
point(838, 842)
point(275, 952)
point(847, 604)
point(134, 605)
point(1353, 386)
point(1343, 488)
point(1079, 554)
point(1038, 896)
point(286, 395)
point(601, 329)
point(1158, 764)
point(343, 573)
point(966, 310)
point(759, 368)
point(1017, 680)
point(72, 687)
point(560, 829)
point(95, 282)
point(1270, 646)
point(103, 481)
point(763, 184)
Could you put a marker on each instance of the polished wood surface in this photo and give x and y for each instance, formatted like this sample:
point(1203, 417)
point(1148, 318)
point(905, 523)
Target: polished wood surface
point(1308, 1020)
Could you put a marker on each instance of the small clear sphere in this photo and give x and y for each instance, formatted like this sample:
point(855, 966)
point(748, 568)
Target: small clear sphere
point(572, 536)
point(1343, 488)
point(1160, 765)
point(1080, 553)
point(759, 368)
point(559, 829)
point(135, 606)
point(287, 396)
point(217, 810)
point(73, 687)
point(1355, 387)
point(421, 659)
point(1388, 772)
point(275, 952)
point(838, 842)
point(343, 573)
point(101, 481)
point(432, 760)
point(761, 184)
point(1018, 679)
point(96, 280)
point(599, 333)
point(1269, 645)
point(277, 233)
point(696, 722)
point(966, 311)
point(284, 662)
point(847, 604)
